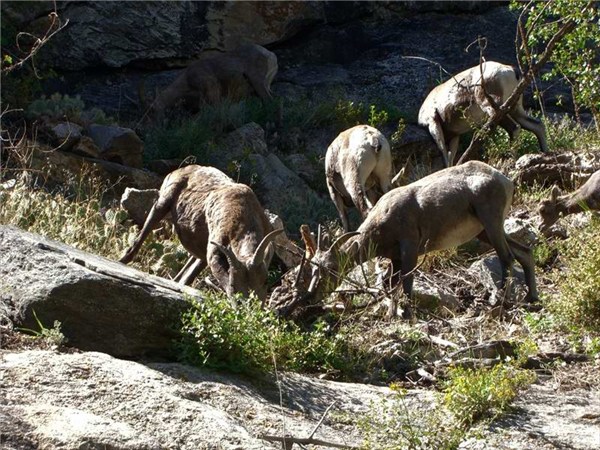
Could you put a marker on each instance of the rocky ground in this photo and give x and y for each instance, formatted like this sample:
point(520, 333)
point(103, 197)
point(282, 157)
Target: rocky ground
point(69, 400)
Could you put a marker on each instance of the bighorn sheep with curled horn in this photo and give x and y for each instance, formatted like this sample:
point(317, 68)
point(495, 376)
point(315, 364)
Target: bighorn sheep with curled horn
point(219, 222)
point(457, 105)
point(442, 210)
point(358, 163)
point(582, 199)
point(233, 74)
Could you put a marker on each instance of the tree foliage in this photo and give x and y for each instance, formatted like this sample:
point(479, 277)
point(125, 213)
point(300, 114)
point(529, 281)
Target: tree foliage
point(576, 56)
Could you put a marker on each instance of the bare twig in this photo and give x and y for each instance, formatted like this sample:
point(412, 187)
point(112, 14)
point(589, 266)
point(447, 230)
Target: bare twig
point(55, 26)
point(322, 419)
point(304, 441)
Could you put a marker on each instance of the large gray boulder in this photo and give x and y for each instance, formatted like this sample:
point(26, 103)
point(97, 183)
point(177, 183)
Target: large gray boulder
point(138, 203)
point(102, 305)
point(117, 34)
point(91, 401)
point(117, 144)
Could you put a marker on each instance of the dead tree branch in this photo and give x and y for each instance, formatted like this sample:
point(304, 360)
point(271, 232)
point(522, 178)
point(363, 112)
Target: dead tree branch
point(532, 70)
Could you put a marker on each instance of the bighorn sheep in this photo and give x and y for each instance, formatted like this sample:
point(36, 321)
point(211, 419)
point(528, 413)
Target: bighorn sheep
point(584, 198)
point(442, 210)
point(457, 105)
point(218, 221)
point(358, 163)
point(228, 75)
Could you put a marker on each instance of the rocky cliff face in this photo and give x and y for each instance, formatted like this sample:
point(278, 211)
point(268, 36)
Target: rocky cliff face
point(367, 49)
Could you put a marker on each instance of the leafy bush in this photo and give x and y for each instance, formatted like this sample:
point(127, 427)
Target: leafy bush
point(578, 304)
point(50, 336)
point(576, 55)
point(64, 107)
point(349, 114)
point(475, 394)
point(469, 396)
point(246, 338)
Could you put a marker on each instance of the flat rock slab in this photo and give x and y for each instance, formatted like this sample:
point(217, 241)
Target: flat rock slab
point(91, 400)
point(102, 305)
point(544, 419)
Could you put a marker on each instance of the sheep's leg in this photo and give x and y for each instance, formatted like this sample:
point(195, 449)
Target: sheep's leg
point(531, 124)
point(511, 126)
point(453, 149)
point(157, 213)
point(259, 83)
point(355, 185)
point(408, 261)
point(437, 133)
point(357, 193)
point(523, 255)
point(494, 234)
point(372, 196)
point(191, 269)
point(338, 201)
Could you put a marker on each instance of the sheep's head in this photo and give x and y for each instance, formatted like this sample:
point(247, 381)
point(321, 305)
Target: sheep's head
point(549, 210)
point(247, 275)
point(326, 262)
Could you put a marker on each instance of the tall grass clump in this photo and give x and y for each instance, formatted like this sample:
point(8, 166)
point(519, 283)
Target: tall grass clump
point(246, 338)
point(79, 216)
point(474, 394)
point(577, 306)
point(196, 135)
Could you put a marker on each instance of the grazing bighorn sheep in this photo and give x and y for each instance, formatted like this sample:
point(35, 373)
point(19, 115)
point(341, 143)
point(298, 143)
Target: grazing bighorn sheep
point(218, 221)
point(228, 75)
point(457, 105)
point(358, 163)
point(584, 198)
point(442, 210)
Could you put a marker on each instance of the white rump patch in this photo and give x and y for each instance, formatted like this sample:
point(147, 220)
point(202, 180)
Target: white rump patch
point(477, 182)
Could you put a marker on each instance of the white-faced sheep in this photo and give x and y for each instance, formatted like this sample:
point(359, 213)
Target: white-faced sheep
point(219, 222)
point(442, 210)
point(458, 105)
point(582, 199)
point(358, 169)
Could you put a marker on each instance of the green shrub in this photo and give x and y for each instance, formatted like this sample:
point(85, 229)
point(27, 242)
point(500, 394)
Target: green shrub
point(578, 304)
point(50, 336)
point(61, 107)
point(246, 338)
point(475, 394)
point(469, 396)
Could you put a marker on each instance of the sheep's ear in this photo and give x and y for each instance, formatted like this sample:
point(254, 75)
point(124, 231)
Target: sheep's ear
point(555, 193)
point(234, 263)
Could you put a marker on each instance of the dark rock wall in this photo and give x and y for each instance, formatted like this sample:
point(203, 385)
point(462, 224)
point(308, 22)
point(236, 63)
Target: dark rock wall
point(364, 48)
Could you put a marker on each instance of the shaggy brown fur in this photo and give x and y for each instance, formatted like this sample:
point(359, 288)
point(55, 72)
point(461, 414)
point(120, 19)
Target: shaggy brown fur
point(218, 221)
point(584, 198)
point(442, 210)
